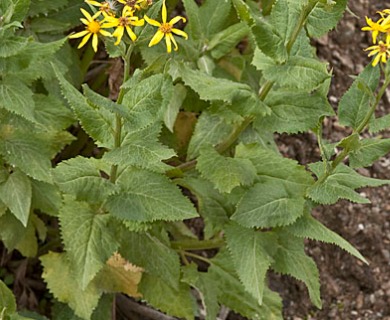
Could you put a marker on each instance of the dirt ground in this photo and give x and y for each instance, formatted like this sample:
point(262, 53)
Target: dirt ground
point(350, 290)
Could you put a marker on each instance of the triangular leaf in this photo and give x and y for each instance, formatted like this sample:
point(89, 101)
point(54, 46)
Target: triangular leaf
point(84, 178)
point(368, 152)
point(65, 288)
point(250, 257)
point(224, 172)
point(7, 300)
point(88, 239)
point(147, 196)
point(16, 193)
point(269, 204)
point(341, 184)
point(292, 260)
point(308, 227)
point(141, 149)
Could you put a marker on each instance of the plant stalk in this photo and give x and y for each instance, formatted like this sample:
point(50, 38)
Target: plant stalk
point(118, 118)
point(197, 244)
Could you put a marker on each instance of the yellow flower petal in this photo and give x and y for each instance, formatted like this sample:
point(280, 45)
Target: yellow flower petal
point(156, 38)
point(79, 34)
point(105, 33)
point(376, 60)
point(164, 12)
point(180, 33)
point(94, 42)
point(94, 3)
point(131, 33)
point(168, 43)
point(118, 33)
point(170, 35)
point(86, 14)
point(176, 20)
point(85, 21)
point(152, 22)
point(137, 23)
point(84, 41)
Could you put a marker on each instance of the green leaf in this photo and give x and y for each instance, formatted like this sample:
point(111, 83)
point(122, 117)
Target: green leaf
point(341, 184)
point(210, 129)
point(379, 124)
point(206, 286)
point(324, 17)
point(194, 27)
point(237, 298)
point(45, 197)
point(147, 196)
point(269, 204)
point(243, 11)
point(51, 112)
point(224, 172)
point(11, 46)
point(66, 288)
point(173, 108)
point(17, 97)
point(151, 251)
point(142, 149)
point(293, 111)
point(84, 178)
point(308, 227)
point(211, 88)
point(291, 259)
point(369, 151)
point(88, 239)
point(16, 193)
point(98, 123)
point(269, 42)
point(225, 41)
point(212, 205)
point(296, 73)
point(355, 103)
point(250, 257)
point(145, 102)
point(26, 150)
point(7, 300)
point(160, 295)
point(214, 16)
point(272, 166)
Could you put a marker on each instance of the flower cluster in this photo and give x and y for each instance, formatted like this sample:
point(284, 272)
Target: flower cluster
point(123, 15)
point(380, 31)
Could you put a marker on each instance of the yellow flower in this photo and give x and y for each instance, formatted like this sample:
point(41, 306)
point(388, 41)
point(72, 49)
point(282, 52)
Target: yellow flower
point(382, 51)
point(93, 28)
point(132, 4)
point(122, 23)
point(375, 27)
point(166, 29)
point(106, 7)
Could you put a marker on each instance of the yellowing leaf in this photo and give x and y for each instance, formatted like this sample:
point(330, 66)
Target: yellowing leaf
point(119, 275)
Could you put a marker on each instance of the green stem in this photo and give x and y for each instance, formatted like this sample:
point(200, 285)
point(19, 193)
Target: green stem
point(197, 244)
point(298, 27)
point(198, 257)
point(341, 157)
point(118, 118)
point(378, 98)
point(265, 89)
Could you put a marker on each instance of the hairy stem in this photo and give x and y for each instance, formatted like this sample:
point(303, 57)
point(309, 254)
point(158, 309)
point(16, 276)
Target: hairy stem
point(118, 118)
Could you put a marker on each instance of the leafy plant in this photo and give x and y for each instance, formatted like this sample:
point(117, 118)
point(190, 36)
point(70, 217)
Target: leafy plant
point(186, 134)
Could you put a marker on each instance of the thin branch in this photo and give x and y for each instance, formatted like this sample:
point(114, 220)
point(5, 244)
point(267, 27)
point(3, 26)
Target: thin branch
point(126, 304)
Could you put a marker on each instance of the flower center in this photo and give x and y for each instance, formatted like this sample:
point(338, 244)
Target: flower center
point(165, 28)
point(94, 27)
point(382, 47)
point(123, 21)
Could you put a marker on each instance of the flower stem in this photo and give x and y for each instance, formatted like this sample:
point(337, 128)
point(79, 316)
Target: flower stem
point(118, 118)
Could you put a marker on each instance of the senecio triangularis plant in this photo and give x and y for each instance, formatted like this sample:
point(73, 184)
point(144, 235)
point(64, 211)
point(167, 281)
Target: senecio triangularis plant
point(161, 179)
